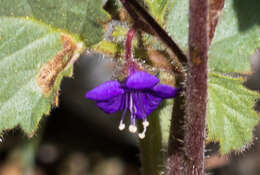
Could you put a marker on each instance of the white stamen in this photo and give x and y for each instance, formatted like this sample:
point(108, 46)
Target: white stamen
point(145, 123)
point(121, 126)
point(132, 128)
point(141, 135)
point(131, 105)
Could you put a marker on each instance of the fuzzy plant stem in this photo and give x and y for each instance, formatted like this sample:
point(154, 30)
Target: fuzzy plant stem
point(176, 154)
point(128, 44)
point(197, 85)
point(186, 145)
point(128, 50)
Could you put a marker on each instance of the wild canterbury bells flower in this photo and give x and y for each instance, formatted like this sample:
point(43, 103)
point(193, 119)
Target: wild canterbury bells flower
point(140, 93)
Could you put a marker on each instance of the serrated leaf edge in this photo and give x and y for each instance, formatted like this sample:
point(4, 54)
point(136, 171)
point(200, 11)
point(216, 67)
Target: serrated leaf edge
point(214, 139)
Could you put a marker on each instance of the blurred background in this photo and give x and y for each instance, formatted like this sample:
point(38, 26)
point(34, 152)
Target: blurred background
point(79, 139)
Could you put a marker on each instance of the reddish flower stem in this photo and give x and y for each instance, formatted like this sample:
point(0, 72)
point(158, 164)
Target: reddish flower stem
point(128, 51)
point(128, 44)
point(142, 18)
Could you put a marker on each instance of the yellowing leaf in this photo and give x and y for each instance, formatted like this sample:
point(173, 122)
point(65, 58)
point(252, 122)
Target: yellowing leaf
point(33, 60)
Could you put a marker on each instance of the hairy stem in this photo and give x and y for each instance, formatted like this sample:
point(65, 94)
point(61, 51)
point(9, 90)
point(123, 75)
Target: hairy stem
point(186, 144)
point(176, 155)
point(128, 44)
point(196, 91)
point(128, 51)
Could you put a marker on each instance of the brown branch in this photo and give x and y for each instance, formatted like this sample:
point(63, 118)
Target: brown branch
point(135, 10)
point(186, 145)
point(196, 91)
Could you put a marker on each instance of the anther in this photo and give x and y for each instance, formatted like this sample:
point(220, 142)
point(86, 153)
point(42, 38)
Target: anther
point(141, 135)
point(145, 123)
point(132, 128)
point(121, 126)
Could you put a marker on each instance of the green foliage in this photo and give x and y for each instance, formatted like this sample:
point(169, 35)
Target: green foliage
point(83, 17)
point(157, 8)
point(231, 45)
point(152, 155)
point(108, 48)
point(231, 117)
point(34, 34)
point(177, 23)
point(27, 90)
point(165, 115)
point(39, 41)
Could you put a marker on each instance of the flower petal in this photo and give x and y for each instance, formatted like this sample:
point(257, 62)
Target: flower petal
point(165, 91)
point(112, 105)
point(105, 91)
point(141, 80)
point(145, 104)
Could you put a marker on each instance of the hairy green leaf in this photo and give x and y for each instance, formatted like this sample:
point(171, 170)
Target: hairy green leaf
point(33, 60)
point(235, 40)
point(82, 17)
point(236, 35)
point(157, 8)
point(165, 115)
point(230, 115)
point(177, 23)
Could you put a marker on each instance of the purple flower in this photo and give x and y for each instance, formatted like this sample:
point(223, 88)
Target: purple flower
point(140, 94)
